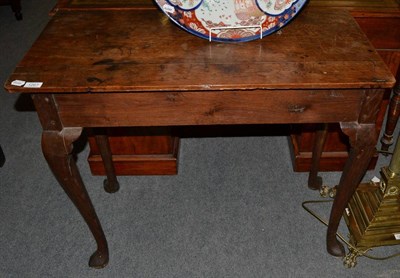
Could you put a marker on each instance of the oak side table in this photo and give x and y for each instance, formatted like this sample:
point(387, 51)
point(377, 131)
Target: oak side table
point(112, 68)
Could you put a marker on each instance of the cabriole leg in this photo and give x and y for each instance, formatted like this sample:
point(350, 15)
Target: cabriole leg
point(57, 148)
point(392, 119)
point(57, 145)
point(362, 139)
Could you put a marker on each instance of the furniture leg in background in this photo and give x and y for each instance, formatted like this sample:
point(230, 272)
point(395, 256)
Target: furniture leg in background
point(111, 184)
point(137, 151)
point(2, 157)
point(15, 7)
point(314, 181)
point(393, 117)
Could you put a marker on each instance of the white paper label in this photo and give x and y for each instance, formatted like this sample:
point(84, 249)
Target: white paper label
point(397, 236)
point(33, 84)
point(168, 8)
point(375, 179)
point(18, 83)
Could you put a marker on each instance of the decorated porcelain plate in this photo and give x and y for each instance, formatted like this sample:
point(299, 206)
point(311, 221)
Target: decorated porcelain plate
point(231, 20)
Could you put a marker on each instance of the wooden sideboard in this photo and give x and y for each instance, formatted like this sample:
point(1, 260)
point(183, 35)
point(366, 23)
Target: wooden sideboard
point(137, 154)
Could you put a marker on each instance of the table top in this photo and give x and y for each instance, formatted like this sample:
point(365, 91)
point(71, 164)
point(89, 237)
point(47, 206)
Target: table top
point(141, 50)
point(356, 5)
point(360, 5)
point(104, 4)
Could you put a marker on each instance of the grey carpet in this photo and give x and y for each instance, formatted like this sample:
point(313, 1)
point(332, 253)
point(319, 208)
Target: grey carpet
point(234, 209)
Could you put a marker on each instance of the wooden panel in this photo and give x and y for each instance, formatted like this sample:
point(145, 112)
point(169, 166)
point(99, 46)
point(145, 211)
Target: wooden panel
point(138, 151)
point(353, 5)
point(137, 154)
point(383, 33)
point(205, 108)
point(76, 5)
point(358, 5)
point(108, 3)
point(136, 165)
point(145, 138)
point(392, 59)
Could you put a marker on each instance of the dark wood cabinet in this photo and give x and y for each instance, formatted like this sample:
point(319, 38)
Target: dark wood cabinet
point(138, 151)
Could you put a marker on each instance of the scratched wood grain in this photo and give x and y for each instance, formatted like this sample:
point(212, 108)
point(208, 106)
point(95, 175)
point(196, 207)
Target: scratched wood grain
point(162, 57)
point(104, 4)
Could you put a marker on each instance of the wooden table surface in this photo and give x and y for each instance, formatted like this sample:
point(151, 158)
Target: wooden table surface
point(135, 68)
point(78, 56)
point(378, 19)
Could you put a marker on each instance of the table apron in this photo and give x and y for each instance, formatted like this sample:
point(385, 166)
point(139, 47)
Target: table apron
point(208, 107)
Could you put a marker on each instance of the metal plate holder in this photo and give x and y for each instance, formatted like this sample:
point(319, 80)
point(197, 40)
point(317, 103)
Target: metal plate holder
point(234, 27)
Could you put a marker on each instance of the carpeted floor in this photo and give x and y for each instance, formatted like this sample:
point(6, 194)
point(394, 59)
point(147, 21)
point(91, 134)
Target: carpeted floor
point(234, 209)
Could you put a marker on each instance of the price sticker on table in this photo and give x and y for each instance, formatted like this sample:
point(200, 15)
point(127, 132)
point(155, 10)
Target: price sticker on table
point(33, 84)
point(18, 83)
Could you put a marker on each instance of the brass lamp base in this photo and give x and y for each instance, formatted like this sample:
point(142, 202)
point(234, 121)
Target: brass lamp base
point(372, 215)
